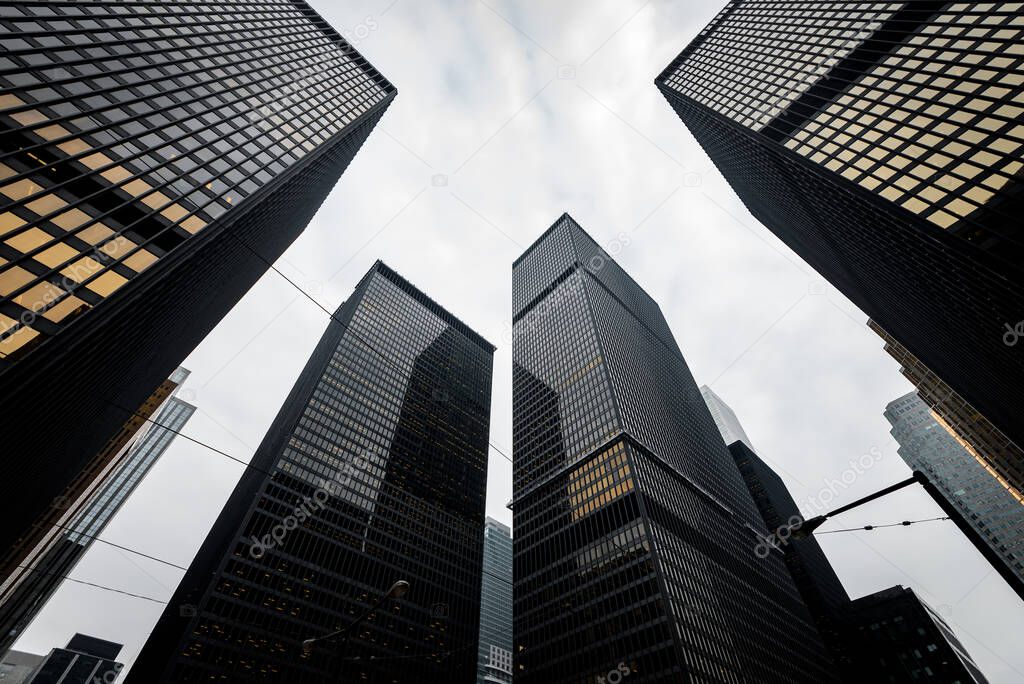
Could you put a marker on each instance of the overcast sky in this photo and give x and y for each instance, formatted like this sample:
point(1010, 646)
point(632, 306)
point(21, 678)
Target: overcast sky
point(509, 113)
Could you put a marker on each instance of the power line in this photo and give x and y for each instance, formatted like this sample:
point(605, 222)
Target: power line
point(118, 546)
point(221, 452)
point(905, 523)
point(93, 584)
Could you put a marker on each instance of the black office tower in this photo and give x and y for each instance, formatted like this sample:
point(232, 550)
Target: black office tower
point(900, 639)
point(818, 584)
point(155, 157)
point(881, 141)
point(635, 538)
point(374, 471)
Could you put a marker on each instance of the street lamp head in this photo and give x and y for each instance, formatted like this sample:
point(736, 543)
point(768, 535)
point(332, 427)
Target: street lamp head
point(307, 646)
point(398, 589)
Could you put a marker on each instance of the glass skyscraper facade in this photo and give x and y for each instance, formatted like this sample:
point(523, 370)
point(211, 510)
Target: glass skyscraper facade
point(155, 158)
point(725, 418)
point(985, 442)
point(32, 571)
point(992, 510)
point(818, 584)
point(634, 534)
point(494, 656)
point(881, 141)
point(374, 471)
point(901, 639)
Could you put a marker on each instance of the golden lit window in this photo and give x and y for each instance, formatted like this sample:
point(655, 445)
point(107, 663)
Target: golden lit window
point(20, 189)
point(95, 233)
point(56, 255)
point(18, 340)
point(62, 310)
point(9, 222)
point(14, 278)
point(71, 219)
point(106, 284)
point(30, 239)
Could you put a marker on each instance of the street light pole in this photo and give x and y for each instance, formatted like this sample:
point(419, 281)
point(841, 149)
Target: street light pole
point(397, 590)
point(807, 527)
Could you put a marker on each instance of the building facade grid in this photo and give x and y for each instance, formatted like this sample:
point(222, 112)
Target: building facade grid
point(620, 477)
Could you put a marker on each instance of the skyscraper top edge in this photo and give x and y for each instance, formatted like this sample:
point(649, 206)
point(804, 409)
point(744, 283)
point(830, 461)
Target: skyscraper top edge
point(899, 400)
point(335, 35)
point(448, 317)
point(565, 216)
point(661, 79)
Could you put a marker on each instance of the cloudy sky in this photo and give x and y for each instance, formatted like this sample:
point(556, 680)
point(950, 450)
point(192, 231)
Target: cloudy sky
point(508, 114)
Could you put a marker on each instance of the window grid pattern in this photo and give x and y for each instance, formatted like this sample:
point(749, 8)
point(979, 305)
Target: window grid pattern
point(937, 126)
point(588, 574)
point(567, 385)
point(895, 627)
point(925, 110)
point(947, 294)
point(134, 128)
point(987, 506)
point(495, 649)
point(985, 442)
point(744, 71)
point(167, 422)
point(389, 429)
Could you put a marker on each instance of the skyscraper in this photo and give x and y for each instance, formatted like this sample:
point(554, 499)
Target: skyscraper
point(34, 569)
point(494, 656)
point(634, 534)
point(156, 158)
point(374, 471)
point(818, 584)
point(983, 440)
point(901, 639)
point(992, 510)
point(881, 141)
point(725, 418)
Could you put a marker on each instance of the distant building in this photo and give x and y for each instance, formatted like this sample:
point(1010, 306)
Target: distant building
point(726, 420)
point(34, 569)
point(818, 584)
point(495, 651)
point(900, 639)
point(85, 660)
point(992, 510)
point(984, 441)
point(16, 667)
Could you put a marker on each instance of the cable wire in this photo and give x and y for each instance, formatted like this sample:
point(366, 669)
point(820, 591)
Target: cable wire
point(118, 546)
point(905, 523)
point(93, 584)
